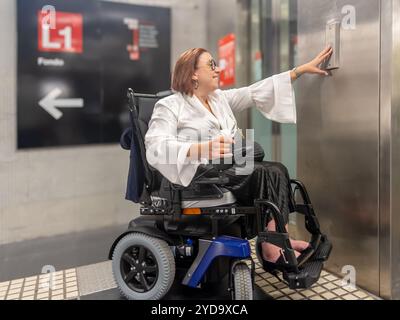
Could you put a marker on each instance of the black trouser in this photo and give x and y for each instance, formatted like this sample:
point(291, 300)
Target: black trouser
point(268, 181)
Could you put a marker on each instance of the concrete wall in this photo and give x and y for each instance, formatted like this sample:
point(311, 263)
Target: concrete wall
point(56, 191)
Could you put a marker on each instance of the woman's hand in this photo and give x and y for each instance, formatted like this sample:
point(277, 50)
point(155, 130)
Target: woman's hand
point(313, 67)
point(220, 147)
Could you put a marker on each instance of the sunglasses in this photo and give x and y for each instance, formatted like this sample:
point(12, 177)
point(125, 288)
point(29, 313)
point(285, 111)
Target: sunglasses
point(212, 64)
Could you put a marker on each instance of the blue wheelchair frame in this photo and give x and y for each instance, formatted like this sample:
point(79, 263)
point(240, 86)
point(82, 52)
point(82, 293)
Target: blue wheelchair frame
point(209, 250)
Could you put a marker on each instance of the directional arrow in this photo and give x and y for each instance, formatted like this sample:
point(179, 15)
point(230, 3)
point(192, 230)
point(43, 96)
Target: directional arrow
point(50, 103)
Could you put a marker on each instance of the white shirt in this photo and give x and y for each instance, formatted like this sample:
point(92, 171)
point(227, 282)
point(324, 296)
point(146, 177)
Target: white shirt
point(179, 120)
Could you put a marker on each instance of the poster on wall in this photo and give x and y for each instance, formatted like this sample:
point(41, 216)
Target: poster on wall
point(76, 59)
point(136, 54)
point(227, 60)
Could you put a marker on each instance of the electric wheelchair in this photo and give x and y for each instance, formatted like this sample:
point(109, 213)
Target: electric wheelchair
point(200, 229)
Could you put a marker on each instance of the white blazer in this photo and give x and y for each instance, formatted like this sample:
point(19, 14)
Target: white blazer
point(179, 120)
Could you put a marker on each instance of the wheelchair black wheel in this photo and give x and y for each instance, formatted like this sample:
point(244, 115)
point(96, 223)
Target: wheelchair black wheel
point(143, 267)
point(139, 268)
point(242, 283)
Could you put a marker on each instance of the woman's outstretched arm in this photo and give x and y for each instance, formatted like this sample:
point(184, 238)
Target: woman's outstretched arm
point(274, 96)
point(314, 66)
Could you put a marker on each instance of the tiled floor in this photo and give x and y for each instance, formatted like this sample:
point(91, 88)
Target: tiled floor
point(87, 280)
point(325, 289)
point(329, 287)
point(59, 285)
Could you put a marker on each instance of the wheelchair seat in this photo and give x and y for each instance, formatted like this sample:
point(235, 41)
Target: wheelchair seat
point(227, 199)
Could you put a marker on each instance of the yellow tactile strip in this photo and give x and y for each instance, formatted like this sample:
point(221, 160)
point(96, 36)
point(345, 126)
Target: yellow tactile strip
point(329, 287)
point(59, 285)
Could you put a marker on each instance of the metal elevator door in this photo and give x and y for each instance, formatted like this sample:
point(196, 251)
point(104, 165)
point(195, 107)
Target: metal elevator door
point(338, 134)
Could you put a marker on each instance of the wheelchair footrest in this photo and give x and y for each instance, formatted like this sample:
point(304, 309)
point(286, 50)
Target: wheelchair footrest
point(323, 251)
point(308, 275)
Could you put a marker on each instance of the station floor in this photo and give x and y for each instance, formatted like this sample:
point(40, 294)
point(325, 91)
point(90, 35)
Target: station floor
point(82, 272)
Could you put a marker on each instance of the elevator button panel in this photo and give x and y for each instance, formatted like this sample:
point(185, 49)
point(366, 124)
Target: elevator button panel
point(333, 40)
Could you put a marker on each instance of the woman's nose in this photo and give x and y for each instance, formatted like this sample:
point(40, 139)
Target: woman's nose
point(218, 70)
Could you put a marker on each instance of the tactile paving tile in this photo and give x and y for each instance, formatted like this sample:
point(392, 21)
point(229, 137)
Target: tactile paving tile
point(329, 287)
point(95, 278)
point(73, 283)
point(60, 285)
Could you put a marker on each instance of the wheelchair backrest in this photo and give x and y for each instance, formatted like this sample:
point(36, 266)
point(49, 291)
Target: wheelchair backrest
point(141, 175)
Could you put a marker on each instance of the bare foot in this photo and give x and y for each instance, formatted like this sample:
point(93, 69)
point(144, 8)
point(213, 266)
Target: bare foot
point(299, 245)
point(272, 253)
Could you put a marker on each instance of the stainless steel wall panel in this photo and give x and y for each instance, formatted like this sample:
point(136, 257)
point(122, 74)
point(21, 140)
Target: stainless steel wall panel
point(392, 72)
point(338, 135)
point(385, 151)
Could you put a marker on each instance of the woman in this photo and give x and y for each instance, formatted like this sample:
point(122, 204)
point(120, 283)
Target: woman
point(196, 125)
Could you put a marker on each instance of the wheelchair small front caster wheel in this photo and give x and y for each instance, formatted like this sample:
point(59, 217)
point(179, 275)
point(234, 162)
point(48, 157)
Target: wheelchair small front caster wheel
point(242, 283)
point(143, 267)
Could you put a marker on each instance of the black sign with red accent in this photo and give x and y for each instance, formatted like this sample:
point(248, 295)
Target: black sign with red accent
point(76, 60)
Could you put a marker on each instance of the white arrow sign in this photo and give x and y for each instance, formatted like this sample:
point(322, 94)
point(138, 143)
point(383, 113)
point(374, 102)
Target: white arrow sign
point(50, 103)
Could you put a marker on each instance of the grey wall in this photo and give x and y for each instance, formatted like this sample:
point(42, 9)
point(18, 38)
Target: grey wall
point(56, 191)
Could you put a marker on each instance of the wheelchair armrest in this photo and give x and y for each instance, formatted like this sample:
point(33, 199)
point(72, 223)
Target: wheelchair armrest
point(221, 167)
point(216, 181)
point(220, 180)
